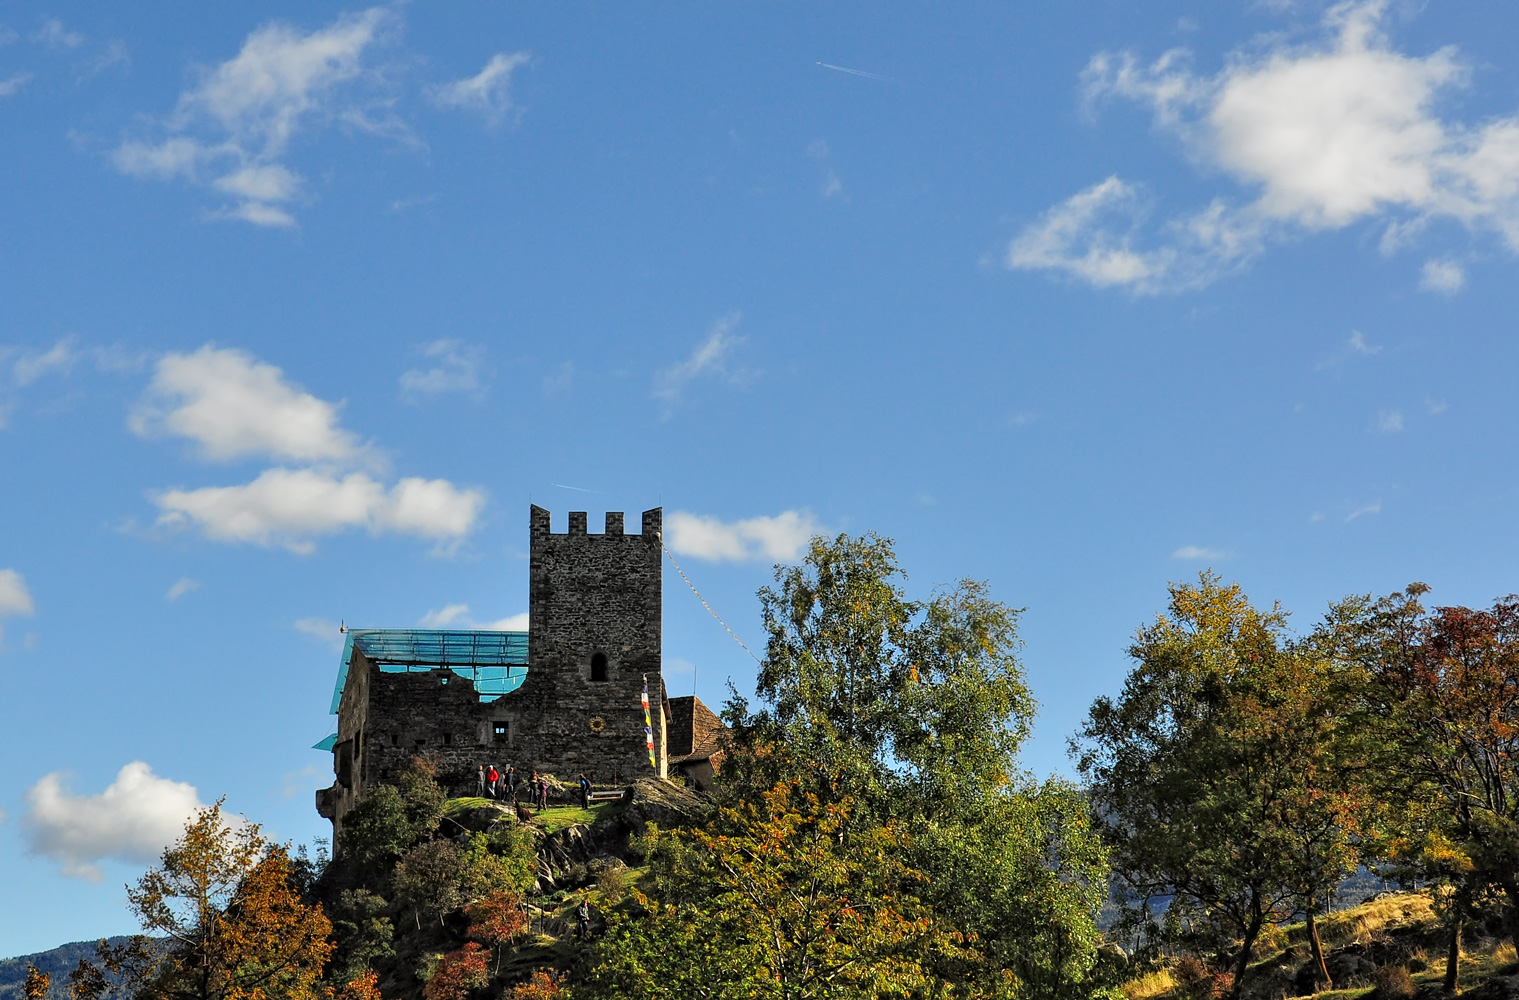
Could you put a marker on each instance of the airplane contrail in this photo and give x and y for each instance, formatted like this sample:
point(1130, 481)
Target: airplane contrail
point(855, 72)
point(577, 489)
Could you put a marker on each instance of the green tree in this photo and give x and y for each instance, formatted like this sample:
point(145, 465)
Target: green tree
point(914, 711)
point(361, 930)
point(1225, 773)
point(427, 881)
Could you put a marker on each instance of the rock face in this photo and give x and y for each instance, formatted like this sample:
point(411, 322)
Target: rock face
point(583, 850)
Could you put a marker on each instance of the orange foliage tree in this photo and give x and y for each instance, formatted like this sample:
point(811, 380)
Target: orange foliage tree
point(545, 985)
point(458, 973)
point(230, 921)
point(496, 920)
point(37, 984)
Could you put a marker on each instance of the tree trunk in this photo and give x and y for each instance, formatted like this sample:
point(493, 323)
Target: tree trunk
point(1453, 956)
point(1243, 962)
point(1317, 948)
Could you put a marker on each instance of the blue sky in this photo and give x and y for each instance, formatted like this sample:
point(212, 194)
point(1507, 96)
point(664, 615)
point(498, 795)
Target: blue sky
point(301, 305)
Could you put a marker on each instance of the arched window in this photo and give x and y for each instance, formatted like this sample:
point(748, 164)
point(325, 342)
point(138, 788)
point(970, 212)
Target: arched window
point(598, 666)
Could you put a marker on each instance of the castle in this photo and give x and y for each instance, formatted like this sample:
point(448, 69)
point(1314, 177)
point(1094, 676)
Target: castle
point(565, 697)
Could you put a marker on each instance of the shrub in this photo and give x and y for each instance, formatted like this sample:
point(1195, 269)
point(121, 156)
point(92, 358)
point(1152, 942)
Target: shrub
point(1393, 982)
point(545, 985)
point(458, 974)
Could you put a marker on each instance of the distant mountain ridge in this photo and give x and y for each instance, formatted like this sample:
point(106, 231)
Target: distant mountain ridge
point(57, 962)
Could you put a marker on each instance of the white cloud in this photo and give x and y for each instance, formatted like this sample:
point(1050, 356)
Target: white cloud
point(323, 630)
point(458, 616)
point(709, 359)
point(184, 585)
point(1322, 135)
point(234, 128)
point(290, 506)
point(832, 186)
point(1358, 344)
point(444, 616)
point(1197, 552)
point(233, 405)
point(56, 37)
point(488, 91)
point(1389, 421)
point(1444, 276)
point(456, 367)
point(15, 598)
point(13, 84)
point(33, 365)
point(133, 820)
point(1374, 507)
point(778, 538)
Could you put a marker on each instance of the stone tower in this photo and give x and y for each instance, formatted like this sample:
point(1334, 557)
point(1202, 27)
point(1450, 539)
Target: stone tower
point(594, 637)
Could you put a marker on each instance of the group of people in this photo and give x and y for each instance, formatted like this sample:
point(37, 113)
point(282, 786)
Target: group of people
point(503, 785)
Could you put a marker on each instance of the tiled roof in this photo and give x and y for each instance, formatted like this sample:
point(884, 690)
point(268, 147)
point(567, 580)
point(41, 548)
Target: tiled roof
point(694, 732)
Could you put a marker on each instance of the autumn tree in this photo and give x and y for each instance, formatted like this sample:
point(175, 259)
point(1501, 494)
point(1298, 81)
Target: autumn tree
point(231, 922)
point(1441, 693)
point(545, 984)
point(497, 920)
point(38, 984)
point(458, 974)
point(776, 899)
point(1224, 773)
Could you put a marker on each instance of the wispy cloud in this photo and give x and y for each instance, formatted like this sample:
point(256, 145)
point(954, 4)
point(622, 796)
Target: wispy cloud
point(232, 131)
point(1444, 276)
point(1365, 509)
point(1356, 347)
point(1388, 421)
point(55, 36)
point(323, 630)
point(1322, 135)
point(488, 92)
point(458, 616)
point(455, 367)
point(184, 585)
point(1193, 552)
point(710, 359)
point(12, 84)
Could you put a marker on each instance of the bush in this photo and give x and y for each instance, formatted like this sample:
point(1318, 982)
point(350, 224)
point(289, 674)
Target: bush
point(544, 985)
point(1195, 981)
point(1393, 982)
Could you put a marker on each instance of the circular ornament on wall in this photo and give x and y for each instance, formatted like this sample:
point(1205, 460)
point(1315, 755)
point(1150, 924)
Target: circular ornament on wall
point(598, 724)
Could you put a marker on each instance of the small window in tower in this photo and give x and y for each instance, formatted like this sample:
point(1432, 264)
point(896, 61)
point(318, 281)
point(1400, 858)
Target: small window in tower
point(442, 678)
point(500, 730)
point(395, 739)
point(448, 739)
point(599, 667)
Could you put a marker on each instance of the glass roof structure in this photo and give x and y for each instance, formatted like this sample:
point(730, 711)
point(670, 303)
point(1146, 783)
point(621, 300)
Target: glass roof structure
point(495, 662)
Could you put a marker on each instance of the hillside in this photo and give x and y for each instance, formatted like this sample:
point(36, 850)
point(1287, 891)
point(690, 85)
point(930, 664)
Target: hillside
point(1392, 947)
point(57, 962)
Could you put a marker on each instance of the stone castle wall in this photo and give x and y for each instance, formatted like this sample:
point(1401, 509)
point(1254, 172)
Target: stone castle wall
point(588, 595)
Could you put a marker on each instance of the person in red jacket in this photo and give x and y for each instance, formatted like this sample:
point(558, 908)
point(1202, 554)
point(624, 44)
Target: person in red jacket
point(492, 777)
